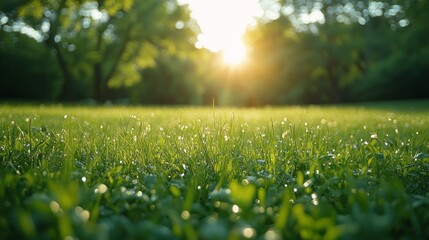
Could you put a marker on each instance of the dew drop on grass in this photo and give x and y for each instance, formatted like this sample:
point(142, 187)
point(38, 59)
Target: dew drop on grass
point(54, 206)
point(185, 215)
point(245, 182)
point(235, 209)
point(249, 232)
point(285, 134)
point(82, 213)
point(101, 188)
point(315, 200)
point(307, 183)
point(272, 235)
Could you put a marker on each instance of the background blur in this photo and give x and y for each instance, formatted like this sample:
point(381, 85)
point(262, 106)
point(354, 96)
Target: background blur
point(144, 52)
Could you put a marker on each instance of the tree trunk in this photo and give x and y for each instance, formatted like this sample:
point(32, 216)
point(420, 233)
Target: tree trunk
point(99, 86)
point(335, 84)
point(100, 82)
point(332, 68)
point(66, 89)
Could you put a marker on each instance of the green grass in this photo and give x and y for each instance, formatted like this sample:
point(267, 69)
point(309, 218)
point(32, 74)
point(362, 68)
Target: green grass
point(348, 172)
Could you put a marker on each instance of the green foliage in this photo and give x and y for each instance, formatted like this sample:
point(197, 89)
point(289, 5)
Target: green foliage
point(28, 71)
point(143, 52)
point(101, 44)
point(173, 81)
point(352, 55)
point(349, 172)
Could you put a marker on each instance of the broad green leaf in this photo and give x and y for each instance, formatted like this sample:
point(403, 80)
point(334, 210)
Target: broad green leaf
point(300, 178)
point(284, 212)
point(175, 191)
point(242, 195)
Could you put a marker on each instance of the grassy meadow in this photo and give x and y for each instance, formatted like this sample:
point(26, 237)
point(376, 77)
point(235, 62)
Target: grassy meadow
point(315, 172)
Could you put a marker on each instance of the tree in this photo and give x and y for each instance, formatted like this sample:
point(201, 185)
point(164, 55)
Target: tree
point(105, 42)
point(342, 49)
point(398, 69)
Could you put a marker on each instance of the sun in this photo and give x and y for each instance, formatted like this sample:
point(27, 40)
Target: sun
point(223, 24)
point(234, 54)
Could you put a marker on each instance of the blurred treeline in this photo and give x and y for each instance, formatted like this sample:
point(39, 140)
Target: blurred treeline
point(142, 52)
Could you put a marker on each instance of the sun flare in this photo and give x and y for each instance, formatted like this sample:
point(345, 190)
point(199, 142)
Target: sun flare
point(234, 54)
point(223, 23)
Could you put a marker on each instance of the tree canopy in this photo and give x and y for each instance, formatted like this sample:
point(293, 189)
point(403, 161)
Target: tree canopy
point(319, 51)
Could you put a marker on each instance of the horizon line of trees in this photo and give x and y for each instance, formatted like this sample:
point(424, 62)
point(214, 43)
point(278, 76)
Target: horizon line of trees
point(142, 52)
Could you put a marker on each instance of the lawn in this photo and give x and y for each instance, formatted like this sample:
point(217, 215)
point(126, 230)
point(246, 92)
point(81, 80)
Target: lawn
point(313, 172)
